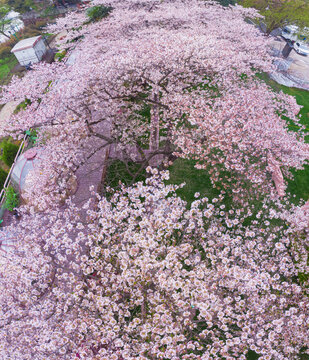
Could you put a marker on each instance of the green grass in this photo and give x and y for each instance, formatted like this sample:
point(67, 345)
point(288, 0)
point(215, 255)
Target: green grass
point(299, 186)
point(302, 98)
point(117, 172)
point(4, 71)
point(6, 66)
point(197, 181)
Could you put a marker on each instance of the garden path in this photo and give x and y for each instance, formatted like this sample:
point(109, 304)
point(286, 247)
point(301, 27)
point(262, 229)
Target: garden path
point(8, 110)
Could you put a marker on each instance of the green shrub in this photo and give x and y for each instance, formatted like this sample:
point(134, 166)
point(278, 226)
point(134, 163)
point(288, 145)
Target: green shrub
point(32, 133)
point(98, 12)
point(3, 175)
point(22, 105)
point(41, 23)
point(5, 51)
point(9, 153)
point(11, 199)
point(48, 11)
point(22, 6)
point(30, 31)
point(9, 42)
point(60, 55)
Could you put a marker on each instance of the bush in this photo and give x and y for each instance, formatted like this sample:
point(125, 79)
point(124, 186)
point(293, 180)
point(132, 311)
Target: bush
point(98, 12)
point(41, 23)
point(3, 175)
point(60, 55)
point(11, 199)
point(30, 31)
point(9, 153)
point(9, 42)
point(5, 51)
point(22, 105)
point(33, 135)
point(21, 6)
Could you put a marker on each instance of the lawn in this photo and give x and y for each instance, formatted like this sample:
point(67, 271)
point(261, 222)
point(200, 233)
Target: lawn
point(302, 98)
point(6, 65)
point(196, 180)
point(299, 186)
point(119, 172)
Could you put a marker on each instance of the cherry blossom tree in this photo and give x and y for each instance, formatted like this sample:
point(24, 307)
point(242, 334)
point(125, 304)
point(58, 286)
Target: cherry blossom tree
point(249, 144)
point(37, 278)
point(155, 280)
point(193, 284)
point(136, 75)
point(144, 275)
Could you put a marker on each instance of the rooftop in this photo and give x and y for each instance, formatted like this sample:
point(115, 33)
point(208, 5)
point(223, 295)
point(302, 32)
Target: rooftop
point(26, 43)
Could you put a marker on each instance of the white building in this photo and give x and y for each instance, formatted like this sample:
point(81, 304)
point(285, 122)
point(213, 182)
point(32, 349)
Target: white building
point(30, 51)
point(15, 25)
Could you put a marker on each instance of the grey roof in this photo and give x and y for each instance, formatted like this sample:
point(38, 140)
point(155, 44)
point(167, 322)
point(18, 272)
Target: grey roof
point(26, 43)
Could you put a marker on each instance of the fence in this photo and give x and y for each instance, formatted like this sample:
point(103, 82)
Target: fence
point(8, 178)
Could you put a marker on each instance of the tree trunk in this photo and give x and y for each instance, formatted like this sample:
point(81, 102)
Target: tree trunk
point(286, 50)
point(270, 28)
point(3, 33)
point(154, 126)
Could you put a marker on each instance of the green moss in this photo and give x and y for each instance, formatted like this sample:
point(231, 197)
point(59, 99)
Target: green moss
point(9, 152)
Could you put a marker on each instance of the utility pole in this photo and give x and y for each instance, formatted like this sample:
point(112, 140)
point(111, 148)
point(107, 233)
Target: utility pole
point(287, 49)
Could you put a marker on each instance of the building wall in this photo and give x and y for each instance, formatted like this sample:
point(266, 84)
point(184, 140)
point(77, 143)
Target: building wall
point(26, 56)
point(40, 49)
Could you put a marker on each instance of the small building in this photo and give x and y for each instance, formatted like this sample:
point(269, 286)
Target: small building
point(12, 23)
point(30, 51)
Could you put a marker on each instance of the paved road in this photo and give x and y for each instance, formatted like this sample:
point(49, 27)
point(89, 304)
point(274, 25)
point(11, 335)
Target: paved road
point(294, 69)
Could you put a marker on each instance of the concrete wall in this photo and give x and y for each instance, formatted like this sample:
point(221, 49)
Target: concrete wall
point(26, 56)
point(40, 49)
point(32, 55)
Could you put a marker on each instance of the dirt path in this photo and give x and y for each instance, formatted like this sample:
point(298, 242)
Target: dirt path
point(55, 40)
point(8, 110)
